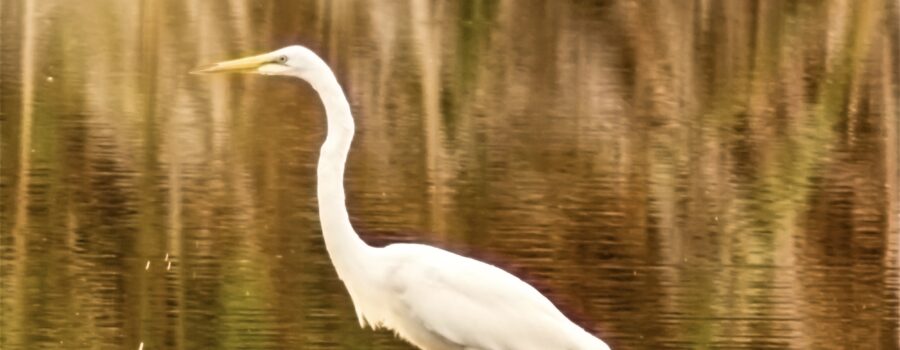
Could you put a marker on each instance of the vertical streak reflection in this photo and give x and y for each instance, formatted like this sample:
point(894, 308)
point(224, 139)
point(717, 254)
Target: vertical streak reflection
point(19, 229)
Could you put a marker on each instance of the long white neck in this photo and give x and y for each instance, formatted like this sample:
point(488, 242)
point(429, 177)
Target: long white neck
point(344, 246)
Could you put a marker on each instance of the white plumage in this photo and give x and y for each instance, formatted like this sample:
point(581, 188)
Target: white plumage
point(433, 298)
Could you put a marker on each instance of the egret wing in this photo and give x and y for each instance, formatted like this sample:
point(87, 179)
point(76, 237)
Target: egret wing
point(476, 305)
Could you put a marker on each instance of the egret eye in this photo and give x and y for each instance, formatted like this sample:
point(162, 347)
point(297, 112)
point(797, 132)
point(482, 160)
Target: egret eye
point(282, 59)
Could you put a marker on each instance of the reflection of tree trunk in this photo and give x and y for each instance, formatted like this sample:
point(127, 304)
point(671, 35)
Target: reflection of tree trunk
point(428, 37)
point(340, 25)
point(891, 159)
point(28, 43)
point(154, 37)
point(174, 249)
point(20, 226)
point(890, 120)
point(871, 200)
point(384, 29)
point(240, 20)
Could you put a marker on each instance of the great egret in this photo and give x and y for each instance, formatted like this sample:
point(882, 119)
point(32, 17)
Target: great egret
point(433, 298)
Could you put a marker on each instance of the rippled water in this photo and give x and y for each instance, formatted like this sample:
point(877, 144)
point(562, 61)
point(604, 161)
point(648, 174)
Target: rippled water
point(674, 175)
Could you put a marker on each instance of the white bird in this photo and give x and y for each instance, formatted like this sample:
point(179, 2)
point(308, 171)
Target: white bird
point(435, 299)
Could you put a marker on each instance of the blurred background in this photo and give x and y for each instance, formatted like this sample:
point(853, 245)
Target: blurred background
point(673, 175)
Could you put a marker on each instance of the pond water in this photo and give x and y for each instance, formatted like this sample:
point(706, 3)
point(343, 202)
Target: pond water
point(673, 175)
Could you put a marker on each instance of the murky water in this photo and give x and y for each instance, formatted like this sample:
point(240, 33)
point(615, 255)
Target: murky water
point(674, 175)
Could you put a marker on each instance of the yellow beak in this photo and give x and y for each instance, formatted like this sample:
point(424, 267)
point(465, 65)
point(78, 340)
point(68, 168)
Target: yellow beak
point(240, 65)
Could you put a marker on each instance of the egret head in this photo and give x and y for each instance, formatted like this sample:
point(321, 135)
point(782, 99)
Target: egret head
point(296, 61)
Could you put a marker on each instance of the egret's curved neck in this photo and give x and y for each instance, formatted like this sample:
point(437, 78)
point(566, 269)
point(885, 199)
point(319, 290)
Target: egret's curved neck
point(344, 246)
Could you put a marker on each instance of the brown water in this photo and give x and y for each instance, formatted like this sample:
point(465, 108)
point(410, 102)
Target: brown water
point(674, 175)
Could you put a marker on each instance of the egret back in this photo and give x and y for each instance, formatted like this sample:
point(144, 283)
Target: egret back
point(440, 300)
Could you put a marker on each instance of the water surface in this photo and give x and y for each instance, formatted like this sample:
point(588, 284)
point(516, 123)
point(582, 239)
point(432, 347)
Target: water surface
point(673, 175)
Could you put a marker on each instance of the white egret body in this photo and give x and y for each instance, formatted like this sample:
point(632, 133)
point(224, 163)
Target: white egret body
point(433, 298)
